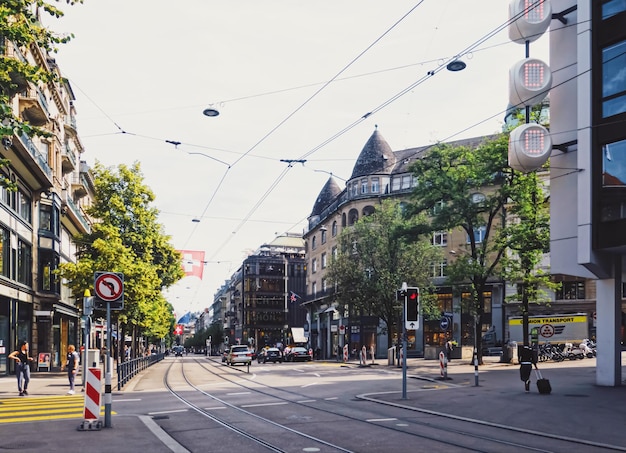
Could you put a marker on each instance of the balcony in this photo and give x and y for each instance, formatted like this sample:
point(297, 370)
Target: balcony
point(74, 213)
point(79, 186)
point(29, 161)
point(68, 160)
point(11, 51)
point(34, 106)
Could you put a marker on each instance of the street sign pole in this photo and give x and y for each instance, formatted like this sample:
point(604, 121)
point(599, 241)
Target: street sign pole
point(107, 376)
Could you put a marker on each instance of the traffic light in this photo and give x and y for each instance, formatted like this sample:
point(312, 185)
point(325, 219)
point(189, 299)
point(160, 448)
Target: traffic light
point(412, 309)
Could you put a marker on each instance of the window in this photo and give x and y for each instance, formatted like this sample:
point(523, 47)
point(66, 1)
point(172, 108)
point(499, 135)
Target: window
point(613, 7)
point(24, 262)
point(614, 164)
point(24, 206)
point(333, 253)
point(323, 230)
point(324, 285)
point(395, 183)
point(355, 189)
point(613, 80)
point(571, 291)
point(48, 263)
point(314, 265)
point(406, 181)
point(5, 252)
point(314, 243)
point(334, 229)
point(375, 185)
point(440, 238)
point(439, 269)
point(314, 288)
point(324, 261)
point(479, 235)
point(436, 209)
point(363, 185)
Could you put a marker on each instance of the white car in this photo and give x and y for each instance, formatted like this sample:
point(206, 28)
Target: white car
point(239, 354)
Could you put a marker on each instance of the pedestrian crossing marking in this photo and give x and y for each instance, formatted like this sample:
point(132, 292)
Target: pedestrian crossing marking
point(31, 409)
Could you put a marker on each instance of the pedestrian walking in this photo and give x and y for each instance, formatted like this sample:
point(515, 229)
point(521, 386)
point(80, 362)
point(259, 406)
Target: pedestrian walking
point(22, 368)
point(71, 365)
point(526, 358)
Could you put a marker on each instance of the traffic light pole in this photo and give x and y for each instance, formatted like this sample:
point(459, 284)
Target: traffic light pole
point(404, 345)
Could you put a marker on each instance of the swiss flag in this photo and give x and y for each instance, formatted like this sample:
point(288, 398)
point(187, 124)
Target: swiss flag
point(193, 263)
point(178, 330)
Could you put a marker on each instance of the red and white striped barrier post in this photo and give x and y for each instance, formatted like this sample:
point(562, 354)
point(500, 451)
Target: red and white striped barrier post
point(345, 353)
point(93, 386)
point(443, 364)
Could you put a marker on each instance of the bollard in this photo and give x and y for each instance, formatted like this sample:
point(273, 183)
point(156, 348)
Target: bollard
point(443, 365)
point(475, 368)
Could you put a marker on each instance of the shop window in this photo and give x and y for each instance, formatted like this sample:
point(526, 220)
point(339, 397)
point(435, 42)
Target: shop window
point(571, 291)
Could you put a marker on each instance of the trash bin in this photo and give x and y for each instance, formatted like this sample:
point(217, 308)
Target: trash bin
point(391, 356)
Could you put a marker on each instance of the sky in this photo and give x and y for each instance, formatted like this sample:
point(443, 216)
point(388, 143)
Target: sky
point(292, 81)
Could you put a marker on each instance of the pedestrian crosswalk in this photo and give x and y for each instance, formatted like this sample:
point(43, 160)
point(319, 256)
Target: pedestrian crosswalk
point(30, 409)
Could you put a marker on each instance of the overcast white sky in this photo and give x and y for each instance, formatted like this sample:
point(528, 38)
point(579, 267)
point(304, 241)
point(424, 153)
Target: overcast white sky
point(144, 70)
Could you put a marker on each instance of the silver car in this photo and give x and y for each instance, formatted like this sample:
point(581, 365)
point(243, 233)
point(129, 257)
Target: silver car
point(239, 354)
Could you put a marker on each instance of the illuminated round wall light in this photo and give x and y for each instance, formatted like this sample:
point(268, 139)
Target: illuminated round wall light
point(456, 65)
point(210, 112)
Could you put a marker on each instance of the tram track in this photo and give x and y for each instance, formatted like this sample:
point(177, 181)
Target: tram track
point(458, 433)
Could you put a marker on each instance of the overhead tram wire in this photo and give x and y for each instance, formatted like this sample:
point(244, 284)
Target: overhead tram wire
point(394, 98)
point(300, 107)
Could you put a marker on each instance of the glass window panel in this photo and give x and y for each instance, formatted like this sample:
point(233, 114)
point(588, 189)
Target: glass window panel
point(613, 7)
point(614, 164)
point(614, 79)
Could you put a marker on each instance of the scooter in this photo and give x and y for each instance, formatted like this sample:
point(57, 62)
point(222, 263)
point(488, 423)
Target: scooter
point(588, 348)
point(573, 353)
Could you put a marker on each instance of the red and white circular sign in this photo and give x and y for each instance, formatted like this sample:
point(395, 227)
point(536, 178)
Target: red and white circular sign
point(109, 286)
point(547, 330)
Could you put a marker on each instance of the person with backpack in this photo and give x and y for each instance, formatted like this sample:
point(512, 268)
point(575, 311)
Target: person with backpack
point(22, 368)
point(71, 365)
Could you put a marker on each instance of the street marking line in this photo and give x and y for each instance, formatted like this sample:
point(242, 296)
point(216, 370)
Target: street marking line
point(381, 419)
point(264, 404)
point(167, 412)
point(167, 440)
point(305, 401)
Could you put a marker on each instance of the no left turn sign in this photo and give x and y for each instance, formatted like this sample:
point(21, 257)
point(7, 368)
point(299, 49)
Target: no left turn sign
point(109, 286)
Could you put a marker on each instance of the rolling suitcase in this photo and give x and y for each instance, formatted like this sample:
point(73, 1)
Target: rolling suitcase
point(543, 385)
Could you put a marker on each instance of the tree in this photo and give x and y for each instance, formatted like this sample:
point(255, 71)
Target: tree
point(528, 239)
point(20, 28)
point(128, 239)
point(374, 259)
point(470, 187)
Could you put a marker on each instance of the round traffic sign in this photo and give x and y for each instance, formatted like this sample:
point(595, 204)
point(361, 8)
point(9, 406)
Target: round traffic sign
point(444, 323)
point(109, 286)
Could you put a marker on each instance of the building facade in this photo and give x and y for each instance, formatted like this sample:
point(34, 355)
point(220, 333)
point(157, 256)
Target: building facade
point(259, 305)
point(39, 220)
point(381, 173)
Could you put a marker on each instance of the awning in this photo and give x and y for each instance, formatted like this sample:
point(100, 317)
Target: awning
point(298, 335)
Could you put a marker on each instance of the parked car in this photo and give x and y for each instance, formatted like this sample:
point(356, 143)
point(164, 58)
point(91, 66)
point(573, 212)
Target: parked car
point(270, 355)
point(299, 354)
point(239, 354)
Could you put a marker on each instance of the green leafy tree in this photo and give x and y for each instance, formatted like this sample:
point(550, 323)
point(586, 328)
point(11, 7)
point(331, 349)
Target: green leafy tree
point(20, 28)
point(128, 239)
point(375, 258)
point(528, 239)
point(471, 188)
